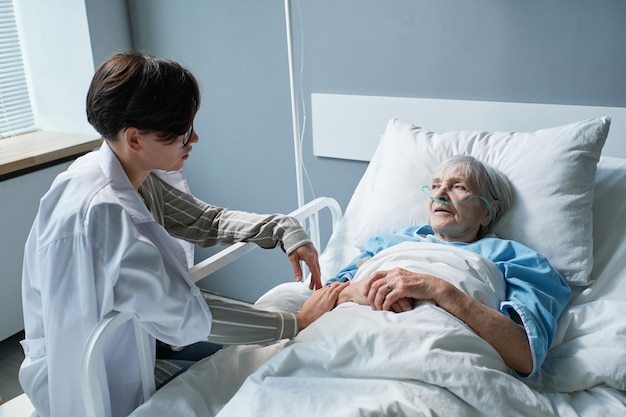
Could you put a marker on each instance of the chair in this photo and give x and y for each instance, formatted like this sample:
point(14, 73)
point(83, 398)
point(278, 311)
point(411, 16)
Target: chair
point(91, 386)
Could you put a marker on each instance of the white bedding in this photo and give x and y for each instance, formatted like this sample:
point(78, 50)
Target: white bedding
point(358, 362)
point(354, 361)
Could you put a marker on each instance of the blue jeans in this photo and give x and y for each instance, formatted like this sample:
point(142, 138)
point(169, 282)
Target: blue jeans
point(185, 357)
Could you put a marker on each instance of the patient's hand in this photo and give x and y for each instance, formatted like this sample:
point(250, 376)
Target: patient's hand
point(356, 292)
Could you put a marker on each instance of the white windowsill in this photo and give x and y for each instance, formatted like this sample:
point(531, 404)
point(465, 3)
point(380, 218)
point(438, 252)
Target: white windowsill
point(30, 150)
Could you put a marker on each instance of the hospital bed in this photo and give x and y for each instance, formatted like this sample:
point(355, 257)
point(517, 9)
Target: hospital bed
point(570, 206)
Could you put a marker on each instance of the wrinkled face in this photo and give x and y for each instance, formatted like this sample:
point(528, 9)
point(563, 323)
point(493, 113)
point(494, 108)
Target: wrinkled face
point(452, 221)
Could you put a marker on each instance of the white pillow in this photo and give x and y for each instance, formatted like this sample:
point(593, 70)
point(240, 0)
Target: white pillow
point(552, 172)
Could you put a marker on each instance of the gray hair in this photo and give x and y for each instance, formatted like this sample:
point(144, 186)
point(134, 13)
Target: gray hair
point(493, 184)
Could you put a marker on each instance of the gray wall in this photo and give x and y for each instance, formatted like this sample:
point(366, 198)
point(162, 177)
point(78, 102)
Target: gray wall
point(18, 209)
point(560, 51)
point(109, 28)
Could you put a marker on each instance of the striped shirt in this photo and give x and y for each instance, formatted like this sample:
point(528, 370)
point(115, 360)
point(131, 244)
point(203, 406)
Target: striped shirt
point(185, 217)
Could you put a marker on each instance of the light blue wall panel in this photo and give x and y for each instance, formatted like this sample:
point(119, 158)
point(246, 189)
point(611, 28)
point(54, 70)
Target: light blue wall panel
point(20, 201)
point(562, 51)
point(245, 157)
point(109, 28)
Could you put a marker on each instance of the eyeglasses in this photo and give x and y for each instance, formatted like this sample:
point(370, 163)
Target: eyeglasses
point(187, 136)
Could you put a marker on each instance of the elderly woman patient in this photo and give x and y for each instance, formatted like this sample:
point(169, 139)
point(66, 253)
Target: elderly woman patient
point(466, 198)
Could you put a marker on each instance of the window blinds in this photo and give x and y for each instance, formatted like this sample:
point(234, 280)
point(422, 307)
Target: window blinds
point(16, 115)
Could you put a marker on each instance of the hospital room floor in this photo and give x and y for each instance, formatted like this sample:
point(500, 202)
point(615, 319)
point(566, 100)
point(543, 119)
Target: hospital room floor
point(11, 356)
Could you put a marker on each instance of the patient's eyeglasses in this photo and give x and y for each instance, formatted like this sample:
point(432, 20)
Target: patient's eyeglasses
point(187, 136)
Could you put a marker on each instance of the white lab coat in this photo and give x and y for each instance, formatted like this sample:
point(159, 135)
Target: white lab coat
point(93, 248)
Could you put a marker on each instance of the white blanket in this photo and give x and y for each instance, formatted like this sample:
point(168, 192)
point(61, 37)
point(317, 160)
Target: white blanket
point(355, 361)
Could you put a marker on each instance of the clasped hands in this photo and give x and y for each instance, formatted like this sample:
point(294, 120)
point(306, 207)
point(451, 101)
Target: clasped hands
point(396, 289)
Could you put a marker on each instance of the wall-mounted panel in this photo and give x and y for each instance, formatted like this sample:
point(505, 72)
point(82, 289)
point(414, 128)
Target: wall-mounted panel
point(350, 126)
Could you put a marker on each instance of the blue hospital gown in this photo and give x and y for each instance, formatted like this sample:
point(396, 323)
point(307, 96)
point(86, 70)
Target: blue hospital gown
point(536, 294)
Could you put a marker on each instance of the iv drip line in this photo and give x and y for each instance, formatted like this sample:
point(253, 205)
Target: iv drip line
point(295, 120)
point(298, 132)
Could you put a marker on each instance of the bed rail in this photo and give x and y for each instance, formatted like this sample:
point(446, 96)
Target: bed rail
point(305, 214)
point(90, 362)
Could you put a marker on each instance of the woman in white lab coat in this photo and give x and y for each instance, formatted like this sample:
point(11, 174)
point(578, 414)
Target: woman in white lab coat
point(103, 240)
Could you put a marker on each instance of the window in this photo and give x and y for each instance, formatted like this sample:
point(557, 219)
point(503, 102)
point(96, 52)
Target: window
point(16, 115)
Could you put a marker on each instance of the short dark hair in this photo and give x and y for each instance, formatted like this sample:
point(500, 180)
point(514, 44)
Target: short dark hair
point(132, 89)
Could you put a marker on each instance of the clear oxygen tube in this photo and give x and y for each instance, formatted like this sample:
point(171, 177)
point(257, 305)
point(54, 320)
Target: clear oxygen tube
point(492, 211)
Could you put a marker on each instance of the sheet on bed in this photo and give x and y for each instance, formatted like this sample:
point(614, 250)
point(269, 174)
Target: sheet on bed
point(354, 361)
point(584, 373)
point(357, 362)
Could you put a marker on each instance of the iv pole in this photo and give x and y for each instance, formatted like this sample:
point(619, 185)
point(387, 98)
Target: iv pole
point(314, 232)
point(294, 107)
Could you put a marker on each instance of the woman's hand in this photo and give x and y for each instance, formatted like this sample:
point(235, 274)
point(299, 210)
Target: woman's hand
point(320, 302)
point(353, 293)
point(309, 255)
